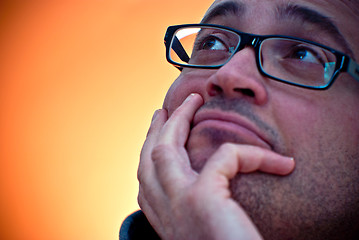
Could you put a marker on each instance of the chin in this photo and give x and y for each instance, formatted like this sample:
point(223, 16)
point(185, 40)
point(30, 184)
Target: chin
point(203, 142)
point(201, 145)
point(199, 154)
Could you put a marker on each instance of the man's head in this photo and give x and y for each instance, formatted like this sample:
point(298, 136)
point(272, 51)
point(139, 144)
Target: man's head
point(319, 128)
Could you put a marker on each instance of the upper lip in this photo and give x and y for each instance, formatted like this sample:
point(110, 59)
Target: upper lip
point(213, 114)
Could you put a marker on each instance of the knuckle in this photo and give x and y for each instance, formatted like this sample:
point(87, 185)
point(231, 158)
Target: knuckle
point(194, 195)
point(177, 113)
point(140, 200)
point(140, 176)
point(143, 176)
point(159, 152)
point(151, 129)
point(228, 147)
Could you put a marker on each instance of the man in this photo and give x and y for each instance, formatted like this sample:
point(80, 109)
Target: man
point(258, 137)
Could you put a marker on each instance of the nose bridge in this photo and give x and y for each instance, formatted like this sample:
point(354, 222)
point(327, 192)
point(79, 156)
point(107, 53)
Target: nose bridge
point(243, 64)
point(247, 40)
point(239, 77)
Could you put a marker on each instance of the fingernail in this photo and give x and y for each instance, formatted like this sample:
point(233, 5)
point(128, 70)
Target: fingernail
point(189, 97)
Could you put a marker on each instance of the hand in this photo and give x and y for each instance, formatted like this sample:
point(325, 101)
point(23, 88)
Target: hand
point(182, 204)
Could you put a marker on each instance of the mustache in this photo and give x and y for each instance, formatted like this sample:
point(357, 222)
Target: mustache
point(243, 108)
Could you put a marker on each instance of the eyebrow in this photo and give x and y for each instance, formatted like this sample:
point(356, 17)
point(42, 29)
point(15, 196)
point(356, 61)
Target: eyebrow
point(315, 18)
point(286, 11)
point(222, 9)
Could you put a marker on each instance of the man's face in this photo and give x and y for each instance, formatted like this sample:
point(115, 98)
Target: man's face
point(320, 129)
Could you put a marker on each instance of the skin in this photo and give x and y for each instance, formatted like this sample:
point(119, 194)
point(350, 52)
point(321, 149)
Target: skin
point(217, 180)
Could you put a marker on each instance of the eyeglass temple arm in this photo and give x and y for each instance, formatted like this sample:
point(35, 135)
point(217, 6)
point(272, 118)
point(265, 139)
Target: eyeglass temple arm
point(178, 48)
point(353, 69)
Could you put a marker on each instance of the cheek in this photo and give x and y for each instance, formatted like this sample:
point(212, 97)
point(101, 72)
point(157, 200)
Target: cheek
point(302, 121)
point(190, 81)
point(175, 95)
point(296, 122)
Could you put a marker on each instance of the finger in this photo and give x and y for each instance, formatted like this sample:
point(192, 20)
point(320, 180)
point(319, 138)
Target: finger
point(231, 159)
point(150, 191)
point(170, 156)
point(148, 210)
point(146, 165)
point(176, 129)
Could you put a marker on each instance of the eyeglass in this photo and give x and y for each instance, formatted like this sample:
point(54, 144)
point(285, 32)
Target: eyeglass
point(286, 59)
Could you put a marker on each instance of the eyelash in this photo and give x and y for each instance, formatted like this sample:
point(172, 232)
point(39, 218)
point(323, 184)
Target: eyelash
point(199, 43)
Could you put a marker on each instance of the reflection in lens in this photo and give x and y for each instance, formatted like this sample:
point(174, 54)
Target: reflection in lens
point(206, 46)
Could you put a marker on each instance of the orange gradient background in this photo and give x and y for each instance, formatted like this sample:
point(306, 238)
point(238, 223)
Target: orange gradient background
point(79, 81)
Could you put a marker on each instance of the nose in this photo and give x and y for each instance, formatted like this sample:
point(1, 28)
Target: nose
point(239, 78)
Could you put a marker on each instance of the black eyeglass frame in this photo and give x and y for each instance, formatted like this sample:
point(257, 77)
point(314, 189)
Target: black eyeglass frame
point(344, 62)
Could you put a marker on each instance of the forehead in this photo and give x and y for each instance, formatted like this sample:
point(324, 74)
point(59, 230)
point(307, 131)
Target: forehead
point(335, 7)
point(338, 17)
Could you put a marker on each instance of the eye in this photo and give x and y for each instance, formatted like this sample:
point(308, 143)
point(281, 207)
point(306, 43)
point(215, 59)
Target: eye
point(306, 54)
point(212, 43)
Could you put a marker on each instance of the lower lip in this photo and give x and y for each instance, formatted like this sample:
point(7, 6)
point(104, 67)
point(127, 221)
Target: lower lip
point(246, 136)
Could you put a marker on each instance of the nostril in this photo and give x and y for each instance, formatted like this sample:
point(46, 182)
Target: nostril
point(245, 91)
point(215, 90)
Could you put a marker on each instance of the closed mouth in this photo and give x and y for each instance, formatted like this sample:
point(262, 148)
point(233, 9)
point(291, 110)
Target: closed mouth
point(234, 123)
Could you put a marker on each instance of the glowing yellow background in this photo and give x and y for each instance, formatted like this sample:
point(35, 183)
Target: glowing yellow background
point(79, 81)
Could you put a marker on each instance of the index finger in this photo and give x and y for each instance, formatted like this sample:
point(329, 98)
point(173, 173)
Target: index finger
point(176, 129)
point(169, 156)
